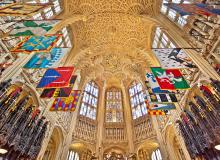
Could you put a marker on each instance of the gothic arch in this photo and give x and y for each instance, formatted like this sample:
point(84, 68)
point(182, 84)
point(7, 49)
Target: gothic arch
point(145, 149)
point(114, 151)
point(55, 144)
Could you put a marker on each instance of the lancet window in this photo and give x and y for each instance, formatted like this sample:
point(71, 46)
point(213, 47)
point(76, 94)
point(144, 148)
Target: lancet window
point(73, 155)
point(156, 155)
point(137, 102)
point(48, 12)
point(90, 101)
point(114, 108)
point(162, 40)
point(172, 14)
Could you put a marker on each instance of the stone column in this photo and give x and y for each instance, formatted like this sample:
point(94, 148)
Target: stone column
point(100, 120)
point(160, 138)
point(68, 140)
point(128, 118)
point(179, 38)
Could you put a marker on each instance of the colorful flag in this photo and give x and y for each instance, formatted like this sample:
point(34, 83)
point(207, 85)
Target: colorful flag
point(152, 82)
point(159, 97)
point(20, 9)
point(173, 58)
point(56, 77)
point(168, 106)
point(73, 80)
point(155, 112)
point(37, 44)
point(32, 27)
point(66, 104)
point(59, 92)
point(47, 93)
point(193, 9)
point(169, 79)
point(46, 60)
point(62, 92)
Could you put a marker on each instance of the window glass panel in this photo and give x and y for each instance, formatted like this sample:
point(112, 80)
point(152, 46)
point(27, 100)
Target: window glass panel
point(89, 101)
point(137, 100)
point(48, 12)
point(44, 1)
point(172, 14)
point(38, 16)
point(114, 109)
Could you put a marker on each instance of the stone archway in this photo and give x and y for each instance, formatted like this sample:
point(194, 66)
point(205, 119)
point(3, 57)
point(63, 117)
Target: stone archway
point(145, 149)
point(54, 145)
point(83, 151)
point(114, 153)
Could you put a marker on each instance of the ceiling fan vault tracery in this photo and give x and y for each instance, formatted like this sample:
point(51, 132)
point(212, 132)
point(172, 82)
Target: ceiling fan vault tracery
point(114, 38)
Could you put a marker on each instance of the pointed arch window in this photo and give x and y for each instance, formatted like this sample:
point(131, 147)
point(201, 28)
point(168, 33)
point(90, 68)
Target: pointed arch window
point(89, 101)
point(73, 155)
point(137, 101)
point(162, 40)
point(114, 108)
point(156, 155)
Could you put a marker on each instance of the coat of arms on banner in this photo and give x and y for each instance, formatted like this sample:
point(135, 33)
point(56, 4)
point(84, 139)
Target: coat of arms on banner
point(37, 44)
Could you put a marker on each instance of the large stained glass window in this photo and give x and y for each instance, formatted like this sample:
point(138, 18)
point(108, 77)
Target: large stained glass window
point(138, 105)
point(89, 101)
point(114, 108)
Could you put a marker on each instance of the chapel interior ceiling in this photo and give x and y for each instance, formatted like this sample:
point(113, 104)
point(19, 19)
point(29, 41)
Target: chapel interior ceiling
point(113, 43)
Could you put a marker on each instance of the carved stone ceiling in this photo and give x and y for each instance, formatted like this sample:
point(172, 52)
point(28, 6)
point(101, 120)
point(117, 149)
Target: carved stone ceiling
point(112, 43)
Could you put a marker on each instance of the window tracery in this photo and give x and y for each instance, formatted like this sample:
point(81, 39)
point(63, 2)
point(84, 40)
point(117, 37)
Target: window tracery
point(114, 108)
point(162, 40)
point(137, 102)
point(73, 155)
point(89, 101)
point(156, 155)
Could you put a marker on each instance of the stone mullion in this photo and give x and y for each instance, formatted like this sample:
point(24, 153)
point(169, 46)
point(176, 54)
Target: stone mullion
point(160, 138)
point(68, 139)
point(128, 119)
point(100, 122)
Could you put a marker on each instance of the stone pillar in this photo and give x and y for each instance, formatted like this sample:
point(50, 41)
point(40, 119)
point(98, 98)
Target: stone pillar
point(179, 38)
point(100, 120)
point(128, 118)
point(68, 139)
point(160, 138)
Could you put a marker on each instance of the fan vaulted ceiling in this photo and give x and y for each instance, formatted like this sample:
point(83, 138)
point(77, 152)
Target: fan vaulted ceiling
point(113, 43)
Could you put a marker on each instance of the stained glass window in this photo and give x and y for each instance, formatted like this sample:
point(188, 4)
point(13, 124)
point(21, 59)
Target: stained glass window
point(73, 155)
point(161, 40)
point(156, 155)
point(48, 12)
point(114, 109)
point(138, 105)
point(89, 101)
point(57, 7)
point(38, 16)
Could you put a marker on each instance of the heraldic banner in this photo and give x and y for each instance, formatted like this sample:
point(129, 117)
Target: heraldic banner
point(32, 28)
point(169, 79)
point(56, 77)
